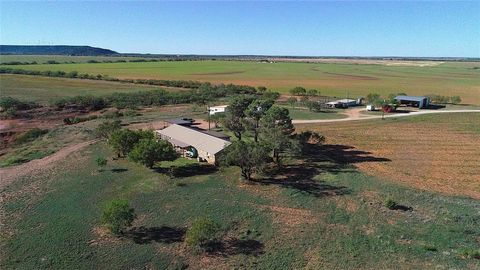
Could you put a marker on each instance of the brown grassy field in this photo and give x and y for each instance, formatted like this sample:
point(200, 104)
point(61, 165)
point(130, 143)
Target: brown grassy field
point(436, 152)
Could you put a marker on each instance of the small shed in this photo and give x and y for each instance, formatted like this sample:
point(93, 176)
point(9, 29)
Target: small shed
point(413, 101)
point(217, 109)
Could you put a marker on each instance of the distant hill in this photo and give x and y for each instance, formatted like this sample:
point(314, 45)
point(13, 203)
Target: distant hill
point(55, 50)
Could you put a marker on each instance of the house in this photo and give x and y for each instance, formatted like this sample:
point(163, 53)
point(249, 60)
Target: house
point(217, 109)
point(414, 101)
point(194, 143)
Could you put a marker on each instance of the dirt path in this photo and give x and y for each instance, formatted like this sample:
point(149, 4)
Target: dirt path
point(355, 115)
point(9, 174)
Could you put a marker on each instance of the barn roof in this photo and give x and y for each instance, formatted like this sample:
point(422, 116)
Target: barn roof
point(410, 98)
point(177, 134)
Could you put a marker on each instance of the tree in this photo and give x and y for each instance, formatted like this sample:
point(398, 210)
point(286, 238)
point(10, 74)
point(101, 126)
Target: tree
point(292, 101)
point(306, 138)
point(276, 133)
point(101, 162)
point(202, 232)
point(118, 215)
point(298, 91)
point(255, 111)
point(149, 151)
point(261, 89)
point(372, 98)
point(235, 114)
point(105, 129)
point(122, 141)
point(456, 99)
point(249, 156)
point(217, 118)
point(312, 92)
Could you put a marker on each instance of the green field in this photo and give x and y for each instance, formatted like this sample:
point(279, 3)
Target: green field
point(46, 89)
point(326, 215)
point(451, 78)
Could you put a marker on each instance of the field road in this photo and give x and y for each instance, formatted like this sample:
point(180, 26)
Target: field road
point(355, 115)
point(9, 174)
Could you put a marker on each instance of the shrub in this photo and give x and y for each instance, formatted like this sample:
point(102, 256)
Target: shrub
point(390, 203)
point(202, 232)
point(118, 215)
point(101, 162)
point(105, 129)
point(470, 253)
point(30, 135)
point(456, 99)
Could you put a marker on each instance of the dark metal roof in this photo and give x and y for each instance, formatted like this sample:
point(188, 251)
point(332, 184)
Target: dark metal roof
point(180, 121)
point(410, 98)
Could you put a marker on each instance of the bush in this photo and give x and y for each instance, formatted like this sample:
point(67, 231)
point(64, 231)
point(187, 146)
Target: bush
point(390, 203)
point(202, 232)
point(105, 129)
point(470, 253)
point(101, 162)
point(30, 135)
point(13, 103)
point(456, 99)
point(118, 215)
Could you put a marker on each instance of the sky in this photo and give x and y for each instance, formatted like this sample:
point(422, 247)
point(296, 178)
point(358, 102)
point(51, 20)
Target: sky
point(327, 28)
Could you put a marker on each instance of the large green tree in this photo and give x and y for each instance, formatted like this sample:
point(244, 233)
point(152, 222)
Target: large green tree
point(122, 141)
point(149, 151)
point(249, 156)
point(255, 111)
point(234, 118)
point(276, 133)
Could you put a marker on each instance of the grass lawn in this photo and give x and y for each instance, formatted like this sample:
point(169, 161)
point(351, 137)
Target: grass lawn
point(45, 89)
point(330, 78)
point(324, 215)
point(305, 114)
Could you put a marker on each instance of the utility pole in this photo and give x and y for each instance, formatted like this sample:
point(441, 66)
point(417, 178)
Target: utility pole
point(208, 116)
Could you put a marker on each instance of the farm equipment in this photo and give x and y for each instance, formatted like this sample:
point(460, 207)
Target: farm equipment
point(389, 108)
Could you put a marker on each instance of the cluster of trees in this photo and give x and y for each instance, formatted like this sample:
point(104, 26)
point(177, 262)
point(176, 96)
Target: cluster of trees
point(445, 99)
point(270, 130)
point(312, 105)
point(140, 146)
point(9, 106)
point(19, 63)
point(300, 91)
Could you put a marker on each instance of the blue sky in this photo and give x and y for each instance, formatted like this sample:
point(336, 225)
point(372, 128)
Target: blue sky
point(270, 28)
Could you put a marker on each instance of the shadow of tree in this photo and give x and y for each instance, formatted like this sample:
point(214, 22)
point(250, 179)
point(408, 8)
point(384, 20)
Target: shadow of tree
point(315, 160)
point(119, 170)
point(343, 154)
point(234, 246)
point(188, 170)
point(164, 234)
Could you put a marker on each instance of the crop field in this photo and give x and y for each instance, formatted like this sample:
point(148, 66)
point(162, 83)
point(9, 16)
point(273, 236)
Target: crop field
point(431, 152)
point(47, 89)
point(324, 211)
point(333, 79)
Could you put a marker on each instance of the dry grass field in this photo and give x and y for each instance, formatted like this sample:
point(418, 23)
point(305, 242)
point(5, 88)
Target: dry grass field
point(436, 152)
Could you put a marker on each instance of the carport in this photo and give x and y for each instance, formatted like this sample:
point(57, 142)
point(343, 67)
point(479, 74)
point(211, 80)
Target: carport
point(413, 101)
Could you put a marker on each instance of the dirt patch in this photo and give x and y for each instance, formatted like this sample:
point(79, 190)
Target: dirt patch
point(441, 155)
point(291, 216)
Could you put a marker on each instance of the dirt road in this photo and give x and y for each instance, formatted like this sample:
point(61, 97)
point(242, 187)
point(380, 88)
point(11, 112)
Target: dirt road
point(355, 115)
point(9, 174)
